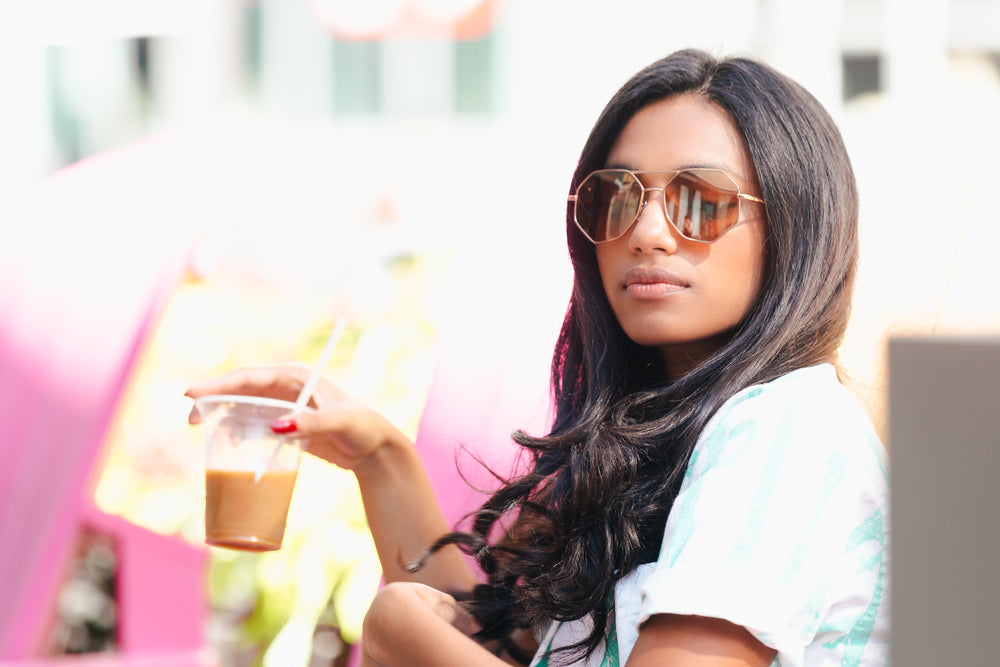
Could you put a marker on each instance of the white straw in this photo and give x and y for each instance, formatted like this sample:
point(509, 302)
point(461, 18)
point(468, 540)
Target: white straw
point(307, 388)
point(324, 357)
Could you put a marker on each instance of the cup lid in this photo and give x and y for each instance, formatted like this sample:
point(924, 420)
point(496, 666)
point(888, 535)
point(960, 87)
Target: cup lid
point(251, 400)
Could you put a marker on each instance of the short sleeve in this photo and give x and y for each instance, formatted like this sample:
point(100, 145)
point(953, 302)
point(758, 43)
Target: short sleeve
point(780, 523)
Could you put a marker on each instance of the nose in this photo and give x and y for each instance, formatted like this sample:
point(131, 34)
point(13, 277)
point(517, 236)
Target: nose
point(652, 231)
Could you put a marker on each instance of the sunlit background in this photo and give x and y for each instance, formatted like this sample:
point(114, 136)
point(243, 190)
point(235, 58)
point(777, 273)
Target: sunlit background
point(186, 187)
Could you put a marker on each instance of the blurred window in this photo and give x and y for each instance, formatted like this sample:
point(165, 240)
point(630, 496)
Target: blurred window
point(862, 74)
point(414, 76)
point(357, 76)
point(475, 68)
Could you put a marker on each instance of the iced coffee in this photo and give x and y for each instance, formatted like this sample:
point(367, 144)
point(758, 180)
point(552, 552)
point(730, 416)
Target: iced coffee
point(250, 471)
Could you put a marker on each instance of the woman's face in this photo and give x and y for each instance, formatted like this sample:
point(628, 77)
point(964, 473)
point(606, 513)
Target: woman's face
point(669, 292)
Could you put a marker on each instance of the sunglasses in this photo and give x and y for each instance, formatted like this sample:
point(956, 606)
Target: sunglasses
point(701, 204)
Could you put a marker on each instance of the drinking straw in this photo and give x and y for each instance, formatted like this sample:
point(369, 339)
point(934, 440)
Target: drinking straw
point(324, 357)
point(307, 389)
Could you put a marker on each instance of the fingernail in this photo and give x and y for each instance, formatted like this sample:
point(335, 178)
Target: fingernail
point(284, 426)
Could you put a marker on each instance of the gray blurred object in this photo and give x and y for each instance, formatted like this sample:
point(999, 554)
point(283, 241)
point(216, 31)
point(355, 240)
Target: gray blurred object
point(944, 403)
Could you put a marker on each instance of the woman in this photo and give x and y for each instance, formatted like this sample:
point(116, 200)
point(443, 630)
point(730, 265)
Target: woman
point(709, 494)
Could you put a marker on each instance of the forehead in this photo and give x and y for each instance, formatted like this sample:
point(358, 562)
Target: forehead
point(683, 131)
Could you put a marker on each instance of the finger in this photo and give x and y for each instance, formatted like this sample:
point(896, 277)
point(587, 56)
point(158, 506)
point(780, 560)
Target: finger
point(272, 381)
point(294, 424)
point(334, 435)
point(242, 381)
point(448, 608)
point(331, 422)
point(282, 382)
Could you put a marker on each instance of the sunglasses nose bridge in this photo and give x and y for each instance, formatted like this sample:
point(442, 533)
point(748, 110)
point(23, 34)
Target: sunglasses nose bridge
point(644, 199)
point(656, 231)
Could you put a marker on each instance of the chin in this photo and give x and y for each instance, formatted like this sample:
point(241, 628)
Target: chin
point(697, 344)
point(653, 334)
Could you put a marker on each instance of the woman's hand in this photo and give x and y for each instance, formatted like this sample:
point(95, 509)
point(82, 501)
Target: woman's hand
point(414, 625)
point(342, 430)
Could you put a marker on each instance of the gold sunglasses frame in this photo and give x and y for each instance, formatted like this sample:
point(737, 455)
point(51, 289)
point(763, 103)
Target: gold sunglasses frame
point(643, 200)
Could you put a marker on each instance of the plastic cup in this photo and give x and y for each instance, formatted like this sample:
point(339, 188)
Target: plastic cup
point(250, 471)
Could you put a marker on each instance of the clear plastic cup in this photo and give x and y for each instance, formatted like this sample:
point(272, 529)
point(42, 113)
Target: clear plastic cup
point(250, 471)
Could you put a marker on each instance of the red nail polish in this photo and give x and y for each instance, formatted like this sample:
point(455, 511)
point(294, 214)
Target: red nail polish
point(284, 426)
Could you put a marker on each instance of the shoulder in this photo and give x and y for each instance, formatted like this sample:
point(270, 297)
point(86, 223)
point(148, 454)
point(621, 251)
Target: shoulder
point(805, 413)
point(780, 524)
point(814, 391)
point(800, 450)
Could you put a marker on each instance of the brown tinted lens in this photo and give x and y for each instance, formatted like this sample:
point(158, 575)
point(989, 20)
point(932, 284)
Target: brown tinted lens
point(607, 203)
point(703, 204)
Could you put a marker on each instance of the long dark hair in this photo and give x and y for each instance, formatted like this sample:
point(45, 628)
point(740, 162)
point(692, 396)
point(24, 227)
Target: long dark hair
point(594, 503)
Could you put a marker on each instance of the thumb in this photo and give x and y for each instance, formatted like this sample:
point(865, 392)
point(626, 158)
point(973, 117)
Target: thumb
point(309, 422)
point(286, 424)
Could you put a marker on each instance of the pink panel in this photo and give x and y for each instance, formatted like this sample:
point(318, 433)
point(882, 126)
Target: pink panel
point(492, 372)
point(200, 658)
point(160, 588)
point(84, 280)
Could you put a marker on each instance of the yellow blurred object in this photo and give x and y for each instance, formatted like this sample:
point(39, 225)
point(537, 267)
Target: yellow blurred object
point(268, 605)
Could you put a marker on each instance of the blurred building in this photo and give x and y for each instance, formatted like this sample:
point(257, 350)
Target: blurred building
point(381, 127)
point(404, 119)
point(81, 79)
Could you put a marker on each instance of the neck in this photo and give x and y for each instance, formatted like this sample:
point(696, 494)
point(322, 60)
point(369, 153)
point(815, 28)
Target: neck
point(681, 358)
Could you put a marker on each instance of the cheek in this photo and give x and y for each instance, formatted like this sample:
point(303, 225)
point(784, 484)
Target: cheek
point(605, 266)
point(746, 285)
point(738, 276)
point(748, 297)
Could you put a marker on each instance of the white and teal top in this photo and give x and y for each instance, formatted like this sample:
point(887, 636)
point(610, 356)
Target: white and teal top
point(781, 526)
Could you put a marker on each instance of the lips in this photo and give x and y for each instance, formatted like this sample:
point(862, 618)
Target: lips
point(651, 283)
